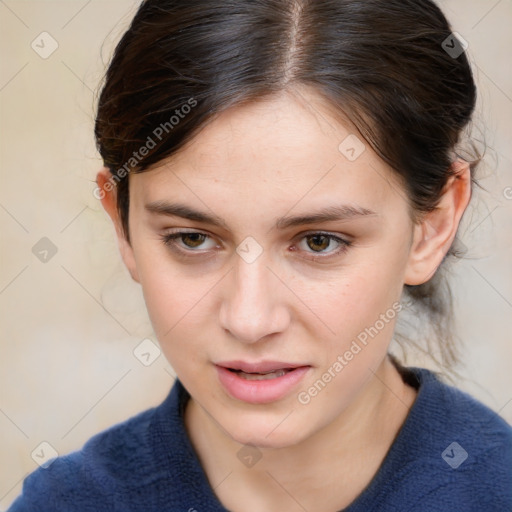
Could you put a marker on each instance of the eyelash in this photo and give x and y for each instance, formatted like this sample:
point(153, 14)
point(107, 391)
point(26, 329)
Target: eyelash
point(171, 240)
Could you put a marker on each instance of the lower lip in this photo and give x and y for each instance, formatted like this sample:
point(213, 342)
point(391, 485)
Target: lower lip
point(260, 391)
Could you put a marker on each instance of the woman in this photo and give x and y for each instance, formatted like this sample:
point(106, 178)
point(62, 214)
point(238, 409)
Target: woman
point(284, 176)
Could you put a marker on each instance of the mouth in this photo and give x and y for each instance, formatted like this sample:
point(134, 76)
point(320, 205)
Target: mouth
point(260, 371)
point(274, 374)
point(262, 382)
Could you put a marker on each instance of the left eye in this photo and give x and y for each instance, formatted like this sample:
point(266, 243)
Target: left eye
point(317, 242)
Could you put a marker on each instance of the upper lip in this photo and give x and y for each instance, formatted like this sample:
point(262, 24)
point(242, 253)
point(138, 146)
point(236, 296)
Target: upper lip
point(259, 367)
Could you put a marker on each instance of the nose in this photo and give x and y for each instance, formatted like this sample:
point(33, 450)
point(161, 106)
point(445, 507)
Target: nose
point(254, 304)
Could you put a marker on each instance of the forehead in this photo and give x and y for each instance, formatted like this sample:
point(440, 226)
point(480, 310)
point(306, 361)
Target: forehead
point(281, 149)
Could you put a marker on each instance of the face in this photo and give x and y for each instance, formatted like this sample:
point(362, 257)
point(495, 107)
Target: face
point(261, 285)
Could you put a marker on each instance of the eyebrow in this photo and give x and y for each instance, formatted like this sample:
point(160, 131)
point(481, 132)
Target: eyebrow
point(328, 214)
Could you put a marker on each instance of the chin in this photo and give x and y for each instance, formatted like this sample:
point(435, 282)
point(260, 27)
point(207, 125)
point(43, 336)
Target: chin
point(261, 435)
point(262, 441)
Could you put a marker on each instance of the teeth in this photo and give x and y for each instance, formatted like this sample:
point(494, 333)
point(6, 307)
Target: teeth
point(262, 376)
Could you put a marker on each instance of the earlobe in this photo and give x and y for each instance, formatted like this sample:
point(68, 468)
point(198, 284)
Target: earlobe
point(107, 193)
point(434, 234)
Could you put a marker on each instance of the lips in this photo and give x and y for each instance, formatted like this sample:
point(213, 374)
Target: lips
point(262, 382)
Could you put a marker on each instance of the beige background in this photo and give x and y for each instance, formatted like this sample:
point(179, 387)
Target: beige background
point(69, 326)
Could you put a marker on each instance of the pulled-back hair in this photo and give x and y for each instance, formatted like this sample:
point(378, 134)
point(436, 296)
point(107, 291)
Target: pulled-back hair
point(390, 67)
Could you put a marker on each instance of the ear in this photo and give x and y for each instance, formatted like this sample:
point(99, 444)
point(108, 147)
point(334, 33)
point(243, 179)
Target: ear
point(107, 193)
point(434, 235)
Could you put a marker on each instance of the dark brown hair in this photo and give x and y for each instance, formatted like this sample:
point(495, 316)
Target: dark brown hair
point(385, 65)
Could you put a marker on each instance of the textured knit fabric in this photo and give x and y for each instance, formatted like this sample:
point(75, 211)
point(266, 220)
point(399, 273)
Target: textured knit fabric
point(451, 454)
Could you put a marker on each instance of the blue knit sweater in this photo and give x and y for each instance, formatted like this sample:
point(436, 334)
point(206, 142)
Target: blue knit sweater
point(451, 454)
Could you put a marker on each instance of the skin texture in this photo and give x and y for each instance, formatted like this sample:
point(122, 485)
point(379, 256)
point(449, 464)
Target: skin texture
point(252, 165)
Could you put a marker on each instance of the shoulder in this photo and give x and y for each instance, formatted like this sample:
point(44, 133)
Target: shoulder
point(100, 476)
point(452, 413)
point(459, 450)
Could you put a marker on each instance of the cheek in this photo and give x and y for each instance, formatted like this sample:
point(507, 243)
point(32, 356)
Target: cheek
point(178, 306)
point(361, 309)
point(173, 302)
point(357, 299)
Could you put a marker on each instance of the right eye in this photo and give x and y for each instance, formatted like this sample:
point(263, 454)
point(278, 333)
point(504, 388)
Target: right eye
point(186, 241)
